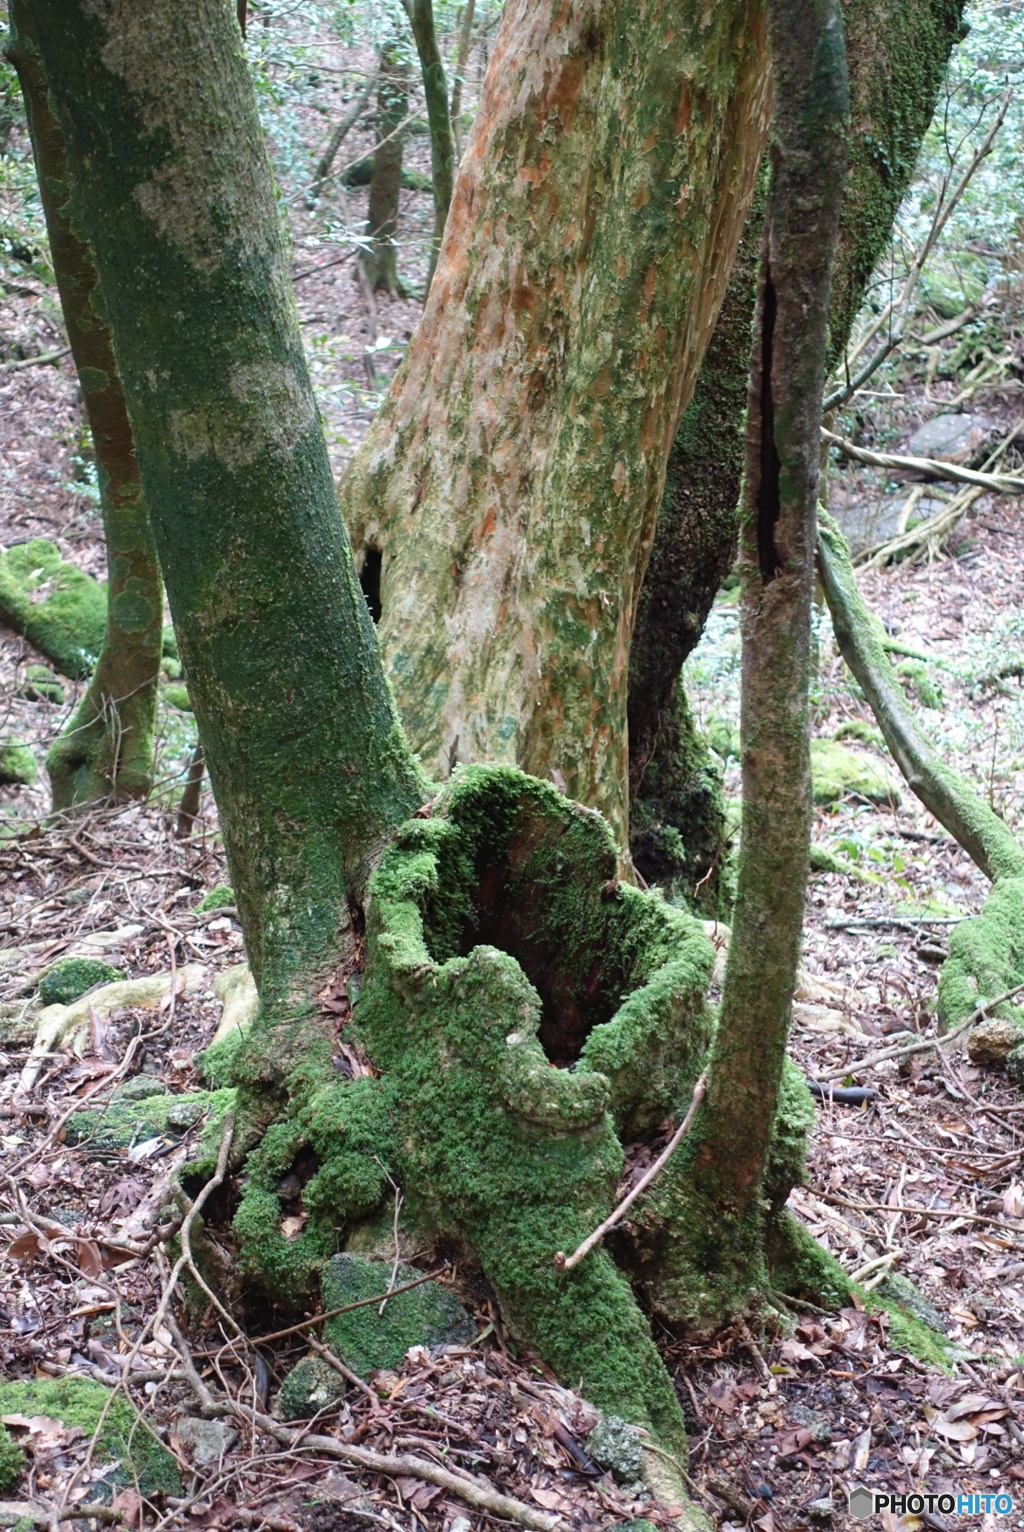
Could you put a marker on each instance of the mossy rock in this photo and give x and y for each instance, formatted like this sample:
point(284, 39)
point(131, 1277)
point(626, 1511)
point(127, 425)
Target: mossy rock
point(986, 957)
point(178, 697)
point(140, 1088)
point(59, 609)
point(216, 899)
point(17, 766)
point(899, 1289)
point(18, 1020)
point(837, 770)
point(856, 728)
point(122, 1123)
point(367, 1340)
point(310, 1387)
point(12, 1459)
point(124, 1438)
point(71, 977)
point(616, 1445)
point(918, 679)
point(41, 685)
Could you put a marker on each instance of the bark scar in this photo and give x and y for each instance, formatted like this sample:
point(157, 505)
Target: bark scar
point(768, 494)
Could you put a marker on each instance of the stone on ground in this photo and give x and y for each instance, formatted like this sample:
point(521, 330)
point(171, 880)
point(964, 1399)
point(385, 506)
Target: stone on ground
point(367, 1340)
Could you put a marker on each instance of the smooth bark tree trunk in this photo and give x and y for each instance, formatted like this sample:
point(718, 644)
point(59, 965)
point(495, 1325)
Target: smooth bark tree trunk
point(511, 480)
point(442, 140)
point(173, 189)
point(461, 65)
point(106, 749)
point(897, 56)
point(379, 260)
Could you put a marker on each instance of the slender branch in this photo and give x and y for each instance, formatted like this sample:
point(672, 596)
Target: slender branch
point(566, 1262)
point(927, 1045)
point(340, 133)
point(44, 359)
point(996, 483)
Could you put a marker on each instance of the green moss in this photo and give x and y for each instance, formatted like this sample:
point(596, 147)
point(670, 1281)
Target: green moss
point(178, 697)
point(910, 1334)
point(918, 678)
point(836, 770)
point(216, 899)
point(366, 1339)
point(17, 766)
point(311, 1386)
point(66, 980)
point(986, 957)
point(856, 728)
point(41, 685)
point(823, 860)
point(803, 1269)
point(12, 1460)
point(125, 1438)
point(60, 610)
point(122, 1123)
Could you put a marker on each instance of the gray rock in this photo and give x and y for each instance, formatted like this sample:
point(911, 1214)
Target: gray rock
point(18, 1019)
point(427, 1315)
point(310, 1387)
point(867, 521)
point(140, 1088)
point(185, 1114)
point(952, 438)
point(822, 1510)
point(617, 1446)
point(993, 1039)
point(205, 1440)
point(901, 1291)
point(1015, 1065)
point(818, 1425)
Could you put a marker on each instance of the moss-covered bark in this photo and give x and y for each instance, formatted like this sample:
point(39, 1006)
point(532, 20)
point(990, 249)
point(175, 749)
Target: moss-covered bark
point(442, 139)
point(379, 259)
point(511, 479)
point(106, 749)
point(173, 190)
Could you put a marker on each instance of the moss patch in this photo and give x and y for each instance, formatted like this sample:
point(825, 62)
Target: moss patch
point(17, 766)
point(122, 1123)
point(216, 899)
point(427, 1315)
point(124, 1437)
point(66, 980)
point(12, 1459)
point(986, 957)
point(61, 611)
point(837, 770)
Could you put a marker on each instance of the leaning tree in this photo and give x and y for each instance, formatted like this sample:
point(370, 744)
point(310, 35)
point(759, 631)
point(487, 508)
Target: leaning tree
point(516, 1014)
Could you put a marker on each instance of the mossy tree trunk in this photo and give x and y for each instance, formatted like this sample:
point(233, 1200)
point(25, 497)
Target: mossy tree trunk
point(897, 57)
point(173, 190)
point(379, 260)
point(442, 139)
point(511, 480)
point(106, 749)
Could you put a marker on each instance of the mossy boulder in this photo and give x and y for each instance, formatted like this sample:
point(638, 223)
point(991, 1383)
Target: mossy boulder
point(616, 1445)
point(124, 1438)
point(17, 766)
point(12, 1459)
point(986, 958)
point(366, 1339)
point(58, 608)
point(41, 685)
point(837, 770)
point(216, 899)
point(310, 1387)
point(71, 977)
point(122, 1123)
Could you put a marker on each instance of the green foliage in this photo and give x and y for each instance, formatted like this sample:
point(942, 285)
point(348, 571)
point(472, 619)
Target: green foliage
point(60, 610)
point(17, 765)
point(124, 1438)
point(12, 1460)
point(71, 977)
point(216, 899)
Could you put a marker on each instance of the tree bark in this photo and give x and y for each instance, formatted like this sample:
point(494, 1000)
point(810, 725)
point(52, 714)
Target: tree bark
point(512, 477)
point(897, 57)
point(461, 65)
point(106, 749)
point(173, 188)
point(380, 259)
point(442, 140)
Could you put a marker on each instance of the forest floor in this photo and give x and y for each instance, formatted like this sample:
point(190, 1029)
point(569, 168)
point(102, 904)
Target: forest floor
point(927, 1180)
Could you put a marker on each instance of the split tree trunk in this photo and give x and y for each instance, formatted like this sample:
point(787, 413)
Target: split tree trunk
point(304, 751)
point(380, 260)
point(898, 52)
point(106, 749)
point(512, 477)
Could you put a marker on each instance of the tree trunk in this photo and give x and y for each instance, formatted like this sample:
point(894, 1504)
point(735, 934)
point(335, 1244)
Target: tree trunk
point(442, 141)
point(380, 260)
point(897, 56)
point(724, 1176)
point(304, 752)
point(106, 750)
point(461, 65)
point(511, 480)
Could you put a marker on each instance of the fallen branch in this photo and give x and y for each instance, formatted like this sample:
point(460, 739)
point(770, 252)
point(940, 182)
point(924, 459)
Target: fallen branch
point(928, 1044)
point(15, 1513)
point(565, 1262)
point(42, 360)
point(996, 483)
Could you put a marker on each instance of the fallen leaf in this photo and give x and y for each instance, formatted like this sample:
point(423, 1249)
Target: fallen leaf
point(26, 1247)
point(954, 1430)
point(129, 1504)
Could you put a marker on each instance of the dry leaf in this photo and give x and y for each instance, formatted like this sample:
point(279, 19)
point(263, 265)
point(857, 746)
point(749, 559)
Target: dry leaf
point(26, 1247)
point(1013, 1200)
point(954, 1430)
point(129, 1504)
point(90, 1261)
point(548, 1498)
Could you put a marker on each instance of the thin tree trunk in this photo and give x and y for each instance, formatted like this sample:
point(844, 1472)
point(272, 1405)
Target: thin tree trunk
point(511, 479)
point(461, 65)
point(442, 142)
point(305, 754)
point(339, 135)
point(380, 260)
point(106, 749)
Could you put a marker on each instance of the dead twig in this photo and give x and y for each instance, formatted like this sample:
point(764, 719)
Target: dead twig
point(928, 1044)
point(996, 483)
point(565, 1262)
